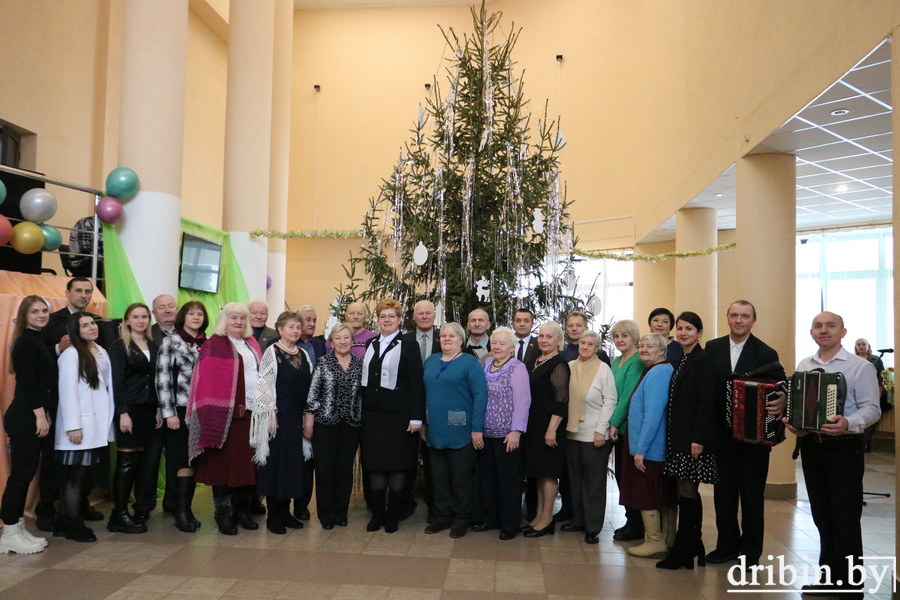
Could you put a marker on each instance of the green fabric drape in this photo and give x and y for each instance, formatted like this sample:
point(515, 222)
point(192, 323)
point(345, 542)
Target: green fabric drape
point(121, 287)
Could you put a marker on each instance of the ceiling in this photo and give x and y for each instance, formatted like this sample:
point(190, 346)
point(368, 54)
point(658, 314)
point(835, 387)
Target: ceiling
point(843, 160)
point(336, 4)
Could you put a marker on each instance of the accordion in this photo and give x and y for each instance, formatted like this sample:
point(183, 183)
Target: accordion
point(746, 413)
point(814, 397)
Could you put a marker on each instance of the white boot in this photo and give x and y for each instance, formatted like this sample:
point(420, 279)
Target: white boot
point(23, 531)
point(13, 541)
point(653, 546)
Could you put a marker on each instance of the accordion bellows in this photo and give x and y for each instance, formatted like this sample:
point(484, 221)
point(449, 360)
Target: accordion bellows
point(814, 398)
point(746, 412)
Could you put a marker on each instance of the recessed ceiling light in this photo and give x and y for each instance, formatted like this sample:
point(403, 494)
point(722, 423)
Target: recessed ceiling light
point(841, 188)
point(840, 112)
point(719, 195)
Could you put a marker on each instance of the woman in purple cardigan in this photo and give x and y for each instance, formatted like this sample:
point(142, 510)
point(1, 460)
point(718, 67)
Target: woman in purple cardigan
point(505, 419)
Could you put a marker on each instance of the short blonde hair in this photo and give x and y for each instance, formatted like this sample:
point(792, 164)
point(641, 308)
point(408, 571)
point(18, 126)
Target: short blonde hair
point(628, 327)
point(457, 330)
point(556, 331)
point(505, 331)
point(230, 309)
point(337, 329)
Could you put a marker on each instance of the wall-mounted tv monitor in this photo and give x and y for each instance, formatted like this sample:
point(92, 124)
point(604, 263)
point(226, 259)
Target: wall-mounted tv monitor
point(201, 261)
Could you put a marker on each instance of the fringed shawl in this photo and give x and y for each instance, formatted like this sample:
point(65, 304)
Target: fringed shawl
point(264, 421)
point(583, 373)
point(213, 393)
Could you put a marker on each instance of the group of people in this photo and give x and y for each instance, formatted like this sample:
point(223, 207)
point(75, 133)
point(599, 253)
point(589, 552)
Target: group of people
point(258, 412)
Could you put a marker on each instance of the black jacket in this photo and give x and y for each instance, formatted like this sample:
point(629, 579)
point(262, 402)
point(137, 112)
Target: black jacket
point(413, 336)
point(56, 329)
point(133, 376)
point(692, 404)
point(409, 394)
point(532, 351)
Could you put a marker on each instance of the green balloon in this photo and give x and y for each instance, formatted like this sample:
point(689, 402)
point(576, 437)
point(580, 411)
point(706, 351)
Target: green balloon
point(52, 238)
point(122, 183)
point(2, 192)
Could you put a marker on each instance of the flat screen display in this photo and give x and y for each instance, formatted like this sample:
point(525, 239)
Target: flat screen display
point(201, 261)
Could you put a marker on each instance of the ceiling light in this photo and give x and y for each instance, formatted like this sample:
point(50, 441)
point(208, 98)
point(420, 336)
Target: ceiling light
point(841, 189)
point(719, 195)
point(840, 112)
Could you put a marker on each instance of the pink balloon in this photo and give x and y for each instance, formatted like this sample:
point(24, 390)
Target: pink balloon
point(6, 230)
point(109, 210)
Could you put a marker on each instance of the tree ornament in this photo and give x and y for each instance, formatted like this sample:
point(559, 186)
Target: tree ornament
point(482, 291)
point(537, 225)
point(420, 254)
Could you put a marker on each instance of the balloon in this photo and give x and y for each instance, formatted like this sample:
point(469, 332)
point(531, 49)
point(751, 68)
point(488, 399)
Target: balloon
point(6, 230)
point(52, 238)
point(268, 281)
point(109, 210)
point(2, 192)
point(122, 183)
point(27, 238)
point(37, 205)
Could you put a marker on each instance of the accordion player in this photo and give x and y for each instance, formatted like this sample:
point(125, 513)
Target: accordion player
point(814, 398)
point(746, 412)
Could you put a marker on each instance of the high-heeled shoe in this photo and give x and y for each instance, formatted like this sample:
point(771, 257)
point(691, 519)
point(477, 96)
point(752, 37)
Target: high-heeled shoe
point(548, 530)
point(526, 528)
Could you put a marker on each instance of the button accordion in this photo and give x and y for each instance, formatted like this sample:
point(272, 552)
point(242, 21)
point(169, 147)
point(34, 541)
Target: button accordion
point(746, 413)
point(814, 397)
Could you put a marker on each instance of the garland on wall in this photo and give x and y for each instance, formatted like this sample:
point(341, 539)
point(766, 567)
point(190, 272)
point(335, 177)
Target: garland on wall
point(348, 234)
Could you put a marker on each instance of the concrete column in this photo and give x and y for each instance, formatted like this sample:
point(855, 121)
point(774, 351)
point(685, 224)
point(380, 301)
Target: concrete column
point(654, 283)
point(154, 51)
point(895, 126)
point(766, 234)
point(248, 135)
point(281, 150)
point(695, 278)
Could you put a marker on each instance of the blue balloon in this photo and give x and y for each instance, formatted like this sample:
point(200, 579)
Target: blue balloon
point(122, 183)
point(2, 192)
point(52, 237)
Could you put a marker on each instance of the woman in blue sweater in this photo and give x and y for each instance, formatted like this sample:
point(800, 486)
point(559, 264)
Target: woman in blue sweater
point(455, 399)
point(643, 484)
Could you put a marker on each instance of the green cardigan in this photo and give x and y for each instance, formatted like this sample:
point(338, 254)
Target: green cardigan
point(627, 377)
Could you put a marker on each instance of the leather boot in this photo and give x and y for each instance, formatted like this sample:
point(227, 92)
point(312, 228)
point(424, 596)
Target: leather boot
point(653, 546)
point(77, 531)
point(184, 492)
point(242, 498)
point(275, 518)
point(225, 514)
point(127, 464)
point(190, 501)
point(378, 511)
point(392, 515)
point(687, 539)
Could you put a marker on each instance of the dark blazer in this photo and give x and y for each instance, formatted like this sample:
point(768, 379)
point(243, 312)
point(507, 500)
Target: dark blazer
point(158, 334)
point(532, 351)
point(409, 395)
point(754, 355)
point(692, 410)
point(413, 336)
point(318, 343)
point(268, 334)
point(467, 350)
point(133, 376)
point(56, 329)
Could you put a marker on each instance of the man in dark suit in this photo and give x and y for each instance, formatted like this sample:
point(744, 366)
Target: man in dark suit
point(315, 347)
point(742, 466)
point(79, 291)
point(427, 337)
point(526, 344)
point(259, 315)
point(576, 324)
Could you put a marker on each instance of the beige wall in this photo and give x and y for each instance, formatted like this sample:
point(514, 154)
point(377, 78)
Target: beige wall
point(654, 283)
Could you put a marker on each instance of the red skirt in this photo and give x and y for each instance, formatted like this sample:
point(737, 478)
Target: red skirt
point(650, 490)
point(232, 464)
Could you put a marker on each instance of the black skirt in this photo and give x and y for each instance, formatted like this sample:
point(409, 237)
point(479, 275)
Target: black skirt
point(143, 422)
point(385, 443)
point(540, 459)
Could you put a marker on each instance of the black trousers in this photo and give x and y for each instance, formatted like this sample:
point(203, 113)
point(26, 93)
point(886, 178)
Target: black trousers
point(309, 467)
point(453, 482)
point(25, 456)
point(833, 470)
point(145, 486)
point(409, 500)
point(334, 447)
point(587, 477)
point(501, 484)
point(743, 469)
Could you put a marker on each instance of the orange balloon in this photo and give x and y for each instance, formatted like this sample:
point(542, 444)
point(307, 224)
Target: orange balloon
point(27, 238)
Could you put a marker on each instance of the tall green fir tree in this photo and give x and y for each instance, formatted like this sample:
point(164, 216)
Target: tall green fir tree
point(474, 214)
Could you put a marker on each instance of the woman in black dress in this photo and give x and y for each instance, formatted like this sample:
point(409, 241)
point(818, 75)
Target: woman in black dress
point(276, 428)
point(393, 410)
point(544, 442)
point(332, 421)
point(27, 421)
point(133, 358)
point(690, 435)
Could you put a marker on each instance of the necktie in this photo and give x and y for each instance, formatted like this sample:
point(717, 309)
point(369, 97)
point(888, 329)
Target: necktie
point(423, 346)
point(521, 354)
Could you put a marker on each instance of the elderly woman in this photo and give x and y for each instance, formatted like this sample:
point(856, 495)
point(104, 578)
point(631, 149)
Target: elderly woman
point(220, 406)
point(627, 369)
point(592, 400)
point(133, 358)
point(355, 317)
point(643, 485)
point(332, 421)
point(174, 368)
point(276, 427)
point(455, 397)
point(545, 455)
point(690, 436)
point(505, 420)
point(393, 410)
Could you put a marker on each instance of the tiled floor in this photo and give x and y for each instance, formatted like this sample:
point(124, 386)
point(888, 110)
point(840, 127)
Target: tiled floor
point(349, 563)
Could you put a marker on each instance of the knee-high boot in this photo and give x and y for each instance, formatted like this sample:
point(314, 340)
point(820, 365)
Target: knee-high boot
point(653, 546)
point(127, 464)
point(184, 493)
point(243, 496)
point(275, 517)
point(687, 539)
point(377, 498)
point(392, 515)
point(224, 510)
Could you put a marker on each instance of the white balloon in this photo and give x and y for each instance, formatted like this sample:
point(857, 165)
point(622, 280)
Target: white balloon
point(37, 205)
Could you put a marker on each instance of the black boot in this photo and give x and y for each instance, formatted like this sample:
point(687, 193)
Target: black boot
point(377, 498)
point(190, 501)
point(46, 516)
point(289, 520)
point(256, 505)
point(224, 513)
point(184, 492)
point(77, 531)
point(687, 539)
point(392, 515)
point(242, 498)
point(127, 464)
point(275, 518)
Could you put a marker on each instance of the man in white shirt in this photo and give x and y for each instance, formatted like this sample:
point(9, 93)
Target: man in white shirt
point(526, 344)
point(832, 458)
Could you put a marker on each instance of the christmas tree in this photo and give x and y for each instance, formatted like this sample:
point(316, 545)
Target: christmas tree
point(474, 214)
